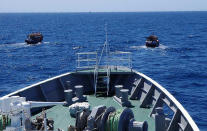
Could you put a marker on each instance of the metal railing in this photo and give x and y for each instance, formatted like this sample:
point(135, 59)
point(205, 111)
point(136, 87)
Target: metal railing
point(86, 60)
point(120, 58)
point(89, 60)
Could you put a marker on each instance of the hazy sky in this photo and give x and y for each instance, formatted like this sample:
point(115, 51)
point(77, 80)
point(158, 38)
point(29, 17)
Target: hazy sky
point(101, 5)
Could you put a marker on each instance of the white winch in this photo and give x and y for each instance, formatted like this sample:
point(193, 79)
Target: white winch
point(18, 110)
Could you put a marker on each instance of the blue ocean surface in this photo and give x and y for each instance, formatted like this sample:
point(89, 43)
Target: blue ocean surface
point(179, 64)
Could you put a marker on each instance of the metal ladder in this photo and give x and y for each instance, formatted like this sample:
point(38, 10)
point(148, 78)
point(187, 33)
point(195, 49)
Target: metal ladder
point(102, 80)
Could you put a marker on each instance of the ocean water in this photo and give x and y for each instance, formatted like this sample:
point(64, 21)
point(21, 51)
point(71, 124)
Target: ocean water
point(179, 64)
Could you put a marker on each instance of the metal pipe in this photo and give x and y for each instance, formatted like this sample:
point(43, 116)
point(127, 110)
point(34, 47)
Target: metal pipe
point(34, 104)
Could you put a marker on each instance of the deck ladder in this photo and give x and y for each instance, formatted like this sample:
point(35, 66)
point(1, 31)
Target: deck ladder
point(102, 73)
point(103, 65)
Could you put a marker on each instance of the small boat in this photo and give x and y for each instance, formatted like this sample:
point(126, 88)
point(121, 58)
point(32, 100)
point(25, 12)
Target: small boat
point(152, 41)
point(34, 38)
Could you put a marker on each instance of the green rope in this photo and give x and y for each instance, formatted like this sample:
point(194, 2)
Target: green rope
point(1, 123)
point(112, 123)
point(4, 122)
point(108, 123)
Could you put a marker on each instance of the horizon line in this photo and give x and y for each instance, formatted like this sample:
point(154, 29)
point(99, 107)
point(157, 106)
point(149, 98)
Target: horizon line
point(104, 11)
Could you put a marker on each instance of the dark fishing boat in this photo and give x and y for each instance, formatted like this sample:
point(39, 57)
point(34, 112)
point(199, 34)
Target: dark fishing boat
point(34, 38)
point(152, 41)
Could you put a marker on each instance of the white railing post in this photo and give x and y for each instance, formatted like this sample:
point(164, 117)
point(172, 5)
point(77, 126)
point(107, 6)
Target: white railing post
point(84, 63)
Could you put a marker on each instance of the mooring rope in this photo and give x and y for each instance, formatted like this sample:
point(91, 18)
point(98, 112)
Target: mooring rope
point(112, 122)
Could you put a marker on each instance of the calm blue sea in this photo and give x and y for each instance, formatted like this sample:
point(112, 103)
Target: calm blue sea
point(179, 65)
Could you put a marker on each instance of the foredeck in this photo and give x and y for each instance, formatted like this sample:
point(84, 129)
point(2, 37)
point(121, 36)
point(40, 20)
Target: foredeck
point(62, 118)
point(146, 91)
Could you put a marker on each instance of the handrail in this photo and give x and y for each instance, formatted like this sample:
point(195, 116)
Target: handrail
point(122, 58)
point(85, 67)
point(95, 79)
point(83, 53)
point(108, 80)
point(120, 52)
point(88, 61)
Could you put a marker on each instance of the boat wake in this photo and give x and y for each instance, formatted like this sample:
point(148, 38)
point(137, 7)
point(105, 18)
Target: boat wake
point(14, 45)
point(47, 42)
point(161, 46)
point(23, 44)
point(138, 47)
point(76, 47)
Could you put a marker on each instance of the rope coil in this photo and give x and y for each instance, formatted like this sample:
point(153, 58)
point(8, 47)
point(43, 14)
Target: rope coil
point(112, 123)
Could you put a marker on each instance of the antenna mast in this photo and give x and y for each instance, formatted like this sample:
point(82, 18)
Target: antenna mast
point(106, 42)
point(105, 47)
